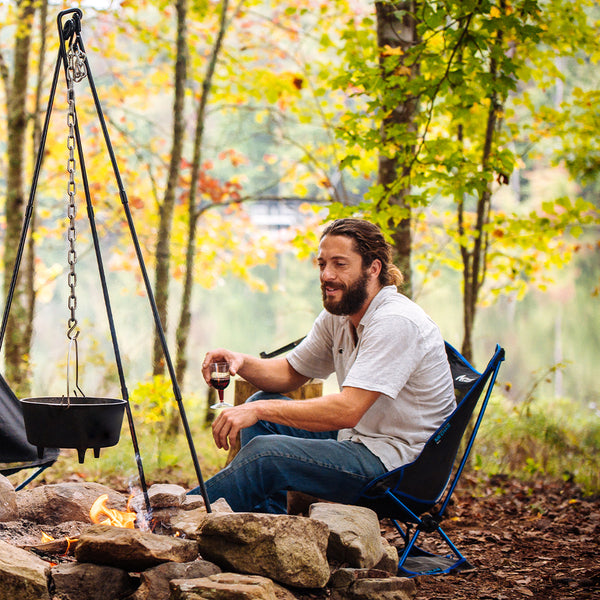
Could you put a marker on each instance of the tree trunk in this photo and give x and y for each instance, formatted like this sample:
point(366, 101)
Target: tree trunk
point(185, 317)
point(29, 271)
point(163, 245)
point(475, 259)
point(183, 327)
point(399, 33)
point(17, 340)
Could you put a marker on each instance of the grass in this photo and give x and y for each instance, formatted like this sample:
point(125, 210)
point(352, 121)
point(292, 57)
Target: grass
point(547, 437)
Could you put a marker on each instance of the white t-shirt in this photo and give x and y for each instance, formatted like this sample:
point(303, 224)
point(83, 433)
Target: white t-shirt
point(400, 353)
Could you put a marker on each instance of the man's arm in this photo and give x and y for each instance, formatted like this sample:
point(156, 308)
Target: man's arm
point(326, 413)
point(267, 374)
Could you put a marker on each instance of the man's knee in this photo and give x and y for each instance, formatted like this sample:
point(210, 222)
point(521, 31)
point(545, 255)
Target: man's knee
point(262, 447)
point(258, 446)
point(266, 396)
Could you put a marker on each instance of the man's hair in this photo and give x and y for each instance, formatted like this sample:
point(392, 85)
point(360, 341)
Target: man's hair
point(370, 244)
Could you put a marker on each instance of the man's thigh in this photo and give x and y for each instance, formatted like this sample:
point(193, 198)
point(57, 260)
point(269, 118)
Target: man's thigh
point(325, 468)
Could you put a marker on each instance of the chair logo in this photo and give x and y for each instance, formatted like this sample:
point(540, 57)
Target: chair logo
point(440, 434)
point(465, 379)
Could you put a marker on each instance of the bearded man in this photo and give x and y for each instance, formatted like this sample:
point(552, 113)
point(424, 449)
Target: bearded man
point(393, 375)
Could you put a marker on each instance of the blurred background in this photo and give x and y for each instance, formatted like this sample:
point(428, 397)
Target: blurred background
point(469, 135)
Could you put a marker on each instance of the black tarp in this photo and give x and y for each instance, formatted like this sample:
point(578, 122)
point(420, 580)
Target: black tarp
point(16, 452)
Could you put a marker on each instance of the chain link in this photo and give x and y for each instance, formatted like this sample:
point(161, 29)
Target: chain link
point(76, 71)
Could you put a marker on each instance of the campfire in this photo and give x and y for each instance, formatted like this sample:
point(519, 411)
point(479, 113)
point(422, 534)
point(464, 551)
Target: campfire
point(116, 518)
point(100, 514)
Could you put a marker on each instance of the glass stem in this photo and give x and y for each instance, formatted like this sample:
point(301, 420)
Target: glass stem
point(220, 395)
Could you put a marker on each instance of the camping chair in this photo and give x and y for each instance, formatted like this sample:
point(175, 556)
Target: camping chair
point(419, 493)
point(16, 453)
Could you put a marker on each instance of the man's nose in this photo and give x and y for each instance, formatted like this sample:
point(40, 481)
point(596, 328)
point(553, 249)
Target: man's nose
point(327, 274)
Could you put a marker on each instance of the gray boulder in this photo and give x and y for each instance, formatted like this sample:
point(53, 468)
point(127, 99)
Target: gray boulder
point(132, 549)
point(56, 503)
point(155, 582)
point(76, 581)
point(23, 576)
point(291, 550)
point(229, 586)
point(8, 500)
point(354, 534)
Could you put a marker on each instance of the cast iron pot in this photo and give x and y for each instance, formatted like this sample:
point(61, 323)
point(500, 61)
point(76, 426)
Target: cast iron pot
point(79, 423)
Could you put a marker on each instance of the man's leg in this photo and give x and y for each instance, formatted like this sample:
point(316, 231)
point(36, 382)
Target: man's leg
point(277, 503)
point(269, 465)
point(275, 458)
point(268, 428)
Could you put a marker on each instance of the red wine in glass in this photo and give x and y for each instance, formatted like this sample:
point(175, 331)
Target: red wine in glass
point(219, 379)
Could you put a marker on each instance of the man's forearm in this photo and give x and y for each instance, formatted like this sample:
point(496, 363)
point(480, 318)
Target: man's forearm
point(271, 374)
point(326, 413)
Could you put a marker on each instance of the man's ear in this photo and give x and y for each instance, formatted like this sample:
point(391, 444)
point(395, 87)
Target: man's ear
point(375, 268)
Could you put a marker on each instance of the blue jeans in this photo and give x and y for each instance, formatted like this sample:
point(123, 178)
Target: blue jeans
point(276, 458)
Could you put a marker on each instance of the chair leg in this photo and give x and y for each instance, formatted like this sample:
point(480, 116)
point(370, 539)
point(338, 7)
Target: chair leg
point(404, 534)
point(415, 561)
point(31, 478)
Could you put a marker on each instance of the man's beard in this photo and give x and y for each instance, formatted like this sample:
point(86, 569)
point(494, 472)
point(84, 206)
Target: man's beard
point(352, 299)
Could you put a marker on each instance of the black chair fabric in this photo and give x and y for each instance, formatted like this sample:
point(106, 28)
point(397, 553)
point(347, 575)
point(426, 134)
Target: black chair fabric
point(426, 485)
point(16, 453)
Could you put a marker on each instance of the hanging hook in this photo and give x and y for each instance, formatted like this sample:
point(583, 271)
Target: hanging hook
point(73, 344)
point(72, 27)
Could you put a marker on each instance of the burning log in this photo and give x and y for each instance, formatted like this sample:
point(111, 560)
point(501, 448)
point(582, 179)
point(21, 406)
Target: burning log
point(51, 547)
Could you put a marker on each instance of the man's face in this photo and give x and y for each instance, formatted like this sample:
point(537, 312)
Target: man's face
point(343, 279)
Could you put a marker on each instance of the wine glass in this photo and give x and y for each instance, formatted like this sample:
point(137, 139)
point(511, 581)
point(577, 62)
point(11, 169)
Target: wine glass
point(219, 379)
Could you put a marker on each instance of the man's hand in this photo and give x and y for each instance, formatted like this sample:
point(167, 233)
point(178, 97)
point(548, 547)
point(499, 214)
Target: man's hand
point(230, 421)
point(235, 360)
point(267, 374)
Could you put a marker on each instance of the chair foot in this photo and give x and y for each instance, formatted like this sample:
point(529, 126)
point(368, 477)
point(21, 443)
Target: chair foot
point(423, 563)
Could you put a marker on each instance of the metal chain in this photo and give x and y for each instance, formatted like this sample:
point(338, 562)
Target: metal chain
point(76, 71)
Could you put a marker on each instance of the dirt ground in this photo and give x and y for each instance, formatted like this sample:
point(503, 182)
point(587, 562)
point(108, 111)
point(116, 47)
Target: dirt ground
point(539, 541)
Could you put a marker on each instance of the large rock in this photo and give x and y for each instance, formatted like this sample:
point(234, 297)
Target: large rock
point(8, 500)
point(354, 534)
point(388, 588)
point(23, 576)
point(188, 521)
point(78, 581)
point(155, 582)
point(291, 550)
point(52, 504)
point(229, 586)
point(346, 576)
point(390, 559)
point(132, 549)
point(160, 495)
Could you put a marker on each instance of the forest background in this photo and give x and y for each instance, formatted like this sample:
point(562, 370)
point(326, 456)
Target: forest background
point(467, 130)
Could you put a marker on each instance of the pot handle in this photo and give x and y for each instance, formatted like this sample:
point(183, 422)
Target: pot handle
point(73, 345)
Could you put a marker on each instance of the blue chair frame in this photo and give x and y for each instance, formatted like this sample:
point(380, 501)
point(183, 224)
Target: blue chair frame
point(418, 494)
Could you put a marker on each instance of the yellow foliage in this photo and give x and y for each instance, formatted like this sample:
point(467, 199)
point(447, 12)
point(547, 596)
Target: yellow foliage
point(389, 51)
point(403, 70)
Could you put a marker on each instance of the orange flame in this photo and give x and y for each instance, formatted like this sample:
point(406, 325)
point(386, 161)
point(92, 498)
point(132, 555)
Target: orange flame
point(46, 538)
point(116, 518)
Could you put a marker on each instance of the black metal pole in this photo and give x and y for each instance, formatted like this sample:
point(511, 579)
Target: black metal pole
point(30, 203)
point(105, 293)
point(148, 286)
